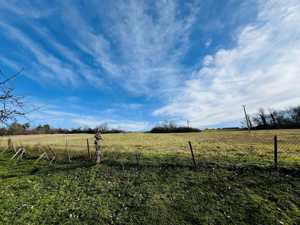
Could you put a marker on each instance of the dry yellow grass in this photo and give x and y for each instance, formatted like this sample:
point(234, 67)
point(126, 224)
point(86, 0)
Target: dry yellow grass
point(218, 145)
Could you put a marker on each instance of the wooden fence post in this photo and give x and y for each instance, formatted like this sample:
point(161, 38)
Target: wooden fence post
point(275, 152)
point(88, 148)
point(10, 145)
point(17, 153)
point(22, 153)
point(53, 155)
point(192, 153)
point(98, 151)
point(66, 148)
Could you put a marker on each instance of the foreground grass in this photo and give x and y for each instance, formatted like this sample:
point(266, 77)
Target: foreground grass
point(145, 192)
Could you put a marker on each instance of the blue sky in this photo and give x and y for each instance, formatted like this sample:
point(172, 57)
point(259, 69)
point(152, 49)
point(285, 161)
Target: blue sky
point(133, 64)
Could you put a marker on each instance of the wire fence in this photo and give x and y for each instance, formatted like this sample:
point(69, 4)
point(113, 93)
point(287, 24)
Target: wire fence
point(196, 150)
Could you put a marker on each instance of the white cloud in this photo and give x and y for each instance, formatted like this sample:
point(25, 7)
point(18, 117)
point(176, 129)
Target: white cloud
point(13, 65)
point(45, 66)
point(86, 38)
point(26, 9)
point(48, 65)
point(208, 60)
point(127, 125)
point(72, 57)
point(208, 43)
point(152, 39)
point(134, 44)
point(58, 118)
point(261, 71)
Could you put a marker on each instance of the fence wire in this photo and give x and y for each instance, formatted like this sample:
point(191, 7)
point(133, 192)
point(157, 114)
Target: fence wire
point(222, 148)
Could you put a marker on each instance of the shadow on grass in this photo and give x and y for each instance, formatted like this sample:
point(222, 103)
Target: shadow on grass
point(173, 162)
point(28, 166)
point(130, 160)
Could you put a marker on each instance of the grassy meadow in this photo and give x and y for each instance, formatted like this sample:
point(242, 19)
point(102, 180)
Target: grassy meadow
point(149, 179)
point(212, 146)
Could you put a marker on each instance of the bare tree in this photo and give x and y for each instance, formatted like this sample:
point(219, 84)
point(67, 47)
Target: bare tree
point(273, 116)
point(286, 118)
point(261, 118)
point(296, 114)
point(11, 105)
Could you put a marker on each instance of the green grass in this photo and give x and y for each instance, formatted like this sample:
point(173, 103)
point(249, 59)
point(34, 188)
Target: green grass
point(124, 193)
point(149, 179)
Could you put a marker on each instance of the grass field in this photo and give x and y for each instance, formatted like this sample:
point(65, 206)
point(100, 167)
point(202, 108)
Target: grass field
point(213, 146)
point(149, 179)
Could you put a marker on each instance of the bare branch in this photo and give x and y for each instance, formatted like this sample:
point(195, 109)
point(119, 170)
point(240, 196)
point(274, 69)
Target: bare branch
point(11, 105)
point(11, 77)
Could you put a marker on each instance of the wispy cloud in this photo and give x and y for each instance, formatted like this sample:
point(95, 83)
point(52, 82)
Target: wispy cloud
point(10, 63)
point(140, 46)
point(28, 9)
point(261, 71)
point(88, 40)
point(47, 64)
point(59, 118)
point(70, 56)
point(53, 63)
point(152, 40)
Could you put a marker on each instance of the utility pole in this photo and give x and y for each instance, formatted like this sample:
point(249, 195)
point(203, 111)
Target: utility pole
point(188, 123)
point(247, 118)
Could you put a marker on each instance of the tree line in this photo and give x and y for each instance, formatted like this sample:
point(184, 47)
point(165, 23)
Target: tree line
point(16, 128)
point(276, 119)
point(171, 127)
point(271, 119)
